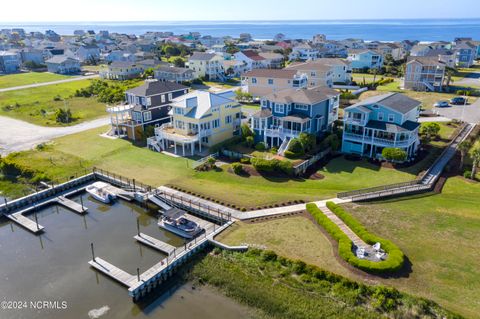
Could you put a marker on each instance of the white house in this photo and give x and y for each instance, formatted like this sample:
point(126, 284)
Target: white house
point(206, 65)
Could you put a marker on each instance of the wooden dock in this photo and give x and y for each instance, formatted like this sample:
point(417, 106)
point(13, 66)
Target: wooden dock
point(70, 204)
point(157, 201)
point(25, 222)
point(113, 272)
point(155, 243)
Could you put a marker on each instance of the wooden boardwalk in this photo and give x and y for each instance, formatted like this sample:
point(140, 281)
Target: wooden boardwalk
point(72, 205)
point(113, 272)
point(155, 243)
point(25, 222)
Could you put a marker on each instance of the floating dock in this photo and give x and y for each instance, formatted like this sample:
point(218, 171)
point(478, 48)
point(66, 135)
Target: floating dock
point(72, 205)
point(26, 222)
point(155, 243)
point(113, 272)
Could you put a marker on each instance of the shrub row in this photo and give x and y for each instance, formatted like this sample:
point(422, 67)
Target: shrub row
point(395, 258)
point(270, 166)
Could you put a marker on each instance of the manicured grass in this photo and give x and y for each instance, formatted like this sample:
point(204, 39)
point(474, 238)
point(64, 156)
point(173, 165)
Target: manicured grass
point(437, 232)
point(37, 105)
point(157, 169)
point(251, 106)
point(12, 80)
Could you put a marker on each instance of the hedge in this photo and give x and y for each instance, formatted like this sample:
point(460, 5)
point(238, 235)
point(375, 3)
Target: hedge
point(269, 166)
point(395, 258)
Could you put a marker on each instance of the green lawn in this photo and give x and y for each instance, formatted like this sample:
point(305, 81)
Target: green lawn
point(12, 80)
point(37, 105)
point(438, 233)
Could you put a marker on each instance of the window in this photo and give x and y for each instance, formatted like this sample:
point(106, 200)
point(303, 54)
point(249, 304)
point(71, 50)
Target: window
point(179, 124)
point(163, 98)
point(149, 101)
point(228, 119)
point(254, 80)
point(279, 108)
point(137, 116)
point(270, 81)
point(179, 111)
point(289, 108)
point(169, 96)
point(391, 117)
point(264, 102)
point(147, 116)
point(215, 123)
point(301, 107)
point(380, 116)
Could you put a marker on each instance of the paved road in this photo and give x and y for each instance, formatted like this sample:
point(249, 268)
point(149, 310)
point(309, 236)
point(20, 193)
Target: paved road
point(472, 79)
point(29, 86)
point(16, 135)
point(469, 113)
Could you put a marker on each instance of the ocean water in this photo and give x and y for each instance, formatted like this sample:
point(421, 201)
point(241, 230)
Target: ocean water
point(385, 30)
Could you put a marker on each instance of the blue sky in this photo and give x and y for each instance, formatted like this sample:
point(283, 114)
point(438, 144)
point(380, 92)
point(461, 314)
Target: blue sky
point(170, 10)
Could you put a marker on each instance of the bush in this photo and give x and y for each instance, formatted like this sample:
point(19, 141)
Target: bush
point(331, 141)
point(395, 257)
point(285, 167)
point(249, 141)
point(260, 146)
point(63, 116)
point(296, 147)
point(237, 168)
point(246, 131)
point(394, 154)
point(308, 141)
point(245, 160)
point(467, 174)
point(269, 166)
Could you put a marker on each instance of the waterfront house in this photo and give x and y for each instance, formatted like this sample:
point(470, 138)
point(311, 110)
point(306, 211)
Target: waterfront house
point(388, 120)
point(173, 74)
point(208, 65)
point(444, 55)
point(260, 82)
point(62, 64)
point(198, 119)
point(32, 55)
point(424, 74)
point(88, 53)
point(146, 105)
point(465, 53)
point(363, 59)
point(251, 58)
point(10, 62)
point(324, 71)
point(284, 115)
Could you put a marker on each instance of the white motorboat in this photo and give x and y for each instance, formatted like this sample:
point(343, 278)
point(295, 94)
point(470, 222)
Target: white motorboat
point(99, 191)
point(174, 221)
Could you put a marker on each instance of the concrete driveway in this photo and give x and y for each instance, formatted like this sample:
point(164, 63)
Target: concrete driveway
point(29, 86)
point(16, 135)
point(469, 113)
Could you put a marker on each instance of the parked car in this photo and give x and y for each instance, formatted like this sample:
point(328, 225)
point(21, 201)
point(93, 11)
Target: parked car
point(441, 104)
point(459, 100)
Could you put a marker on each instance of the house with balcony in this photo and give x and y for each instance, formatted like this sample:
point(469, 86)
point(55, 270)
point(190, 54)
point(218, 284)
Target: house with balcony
point(173, 74)
point(362, 59)
point(388, 120)
point(62, 64)
point(145, 105)
point(424, 73)
point(318, 72)
point(303, 52)
point(10, 62)
point(261, 82)
point(208, 65)
point(199, 119)
point(465, 53)
point(286, 114)
point(122, 70)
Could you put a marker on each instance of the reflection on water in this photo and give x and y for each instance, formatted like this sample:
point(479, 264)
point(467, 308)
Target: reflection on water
point(54, 266)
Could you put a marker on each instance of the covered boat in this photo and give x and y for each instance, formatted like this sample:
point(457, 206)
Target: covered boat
point(174, 220)
point(100, 191)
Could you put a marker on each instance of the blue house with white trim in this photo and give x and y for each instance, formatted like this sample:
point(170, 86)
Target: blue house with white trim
point(287, 113)
point(388, 120)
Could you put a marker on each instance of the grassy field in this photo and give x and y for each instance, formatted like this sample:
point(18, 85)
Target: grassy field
point(75, 152)
point(12, 80)
point(38, 105)
point(437, 232)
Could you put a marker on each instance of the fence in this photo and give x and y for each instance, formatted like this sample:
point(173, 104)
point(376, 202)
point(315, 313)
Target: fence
point(204, 160)
point(303, 166)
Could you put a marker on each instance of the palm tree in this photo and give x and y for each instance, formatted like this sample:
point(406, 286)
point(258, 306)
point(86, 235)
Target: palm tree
point(464, 147)
point(449, 72)
point(475, 154)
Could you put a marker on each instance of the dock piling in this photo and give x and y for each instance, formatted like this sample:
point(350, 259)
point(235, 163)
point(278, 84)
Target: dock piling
point(81, 202)
point(138, 226)
point(138, 274)
point(93, 252)
point(36, 218)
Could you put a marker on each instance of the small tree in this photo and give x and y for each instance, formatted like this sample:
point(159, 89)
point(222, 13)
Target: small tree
point(296, 147)
point(475, 155)
point(260, 146)
point(394, 154)
point(246, 131)
point(464, 147)
point(308, 141)
point(148, 73)
point(429, 131)
point(179, 62)
point(249, 141)
point(63, 116)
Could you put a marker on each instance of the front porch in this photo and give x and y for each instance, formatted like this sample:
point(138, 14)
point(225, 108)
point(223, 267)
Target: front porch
point(169, 137)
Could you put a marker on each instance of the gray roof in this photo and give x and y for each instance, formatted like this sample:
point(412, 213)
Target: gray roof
point(407, 126)
point(396, 101)
point(172, 69)
point(426, 60)
point(156, 87)
point(202, 56)
point(303, 96)
point(262, 113)
point(58, 59)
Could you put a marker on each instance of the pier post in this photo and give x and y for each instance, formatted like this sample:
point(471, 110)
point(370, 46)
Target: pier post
point(138, 274)
point(81, 202)
point(93, 252)
point(6, 204)
point(138, 226)
point(35, 214)
point(133, 180)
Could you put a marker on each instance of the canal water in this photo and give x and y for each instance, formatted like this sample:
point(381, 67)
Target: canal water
point(53, 267)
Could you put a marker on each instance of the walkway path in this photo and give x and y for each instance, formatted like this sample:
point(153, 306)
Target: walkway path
point(17, 135)
point(334, 218)
point(29, 86)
